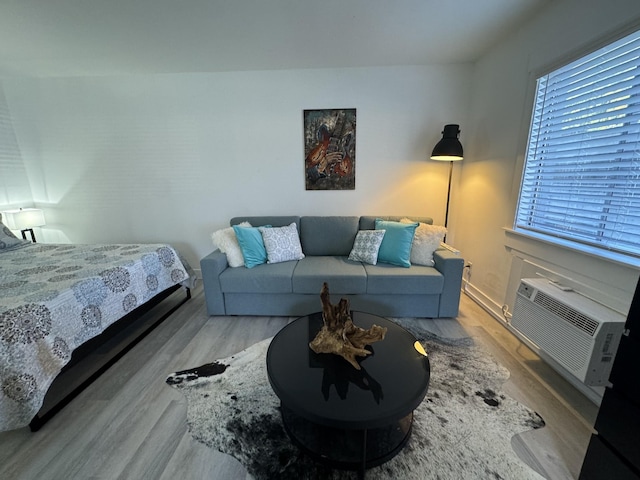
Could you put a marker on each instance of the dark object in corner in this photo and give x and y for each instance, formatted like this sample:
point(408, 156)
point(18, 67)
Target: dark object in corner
point(614, 451)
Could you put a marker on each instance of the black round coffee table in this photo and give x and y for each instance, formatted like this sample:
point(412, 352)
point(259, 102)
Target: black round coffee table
point(350, 419)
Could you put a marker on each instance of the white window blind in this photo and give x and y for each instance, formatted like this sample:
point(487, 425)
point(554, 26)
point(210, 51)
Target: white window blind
point(581, 179)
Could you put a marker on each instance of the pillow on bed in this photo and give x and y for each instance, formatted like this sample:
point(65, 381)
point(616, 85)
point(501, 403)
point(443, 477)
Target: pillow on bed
point(282, 243)
point(425, 241)
point(227, 242)
point(8, 240)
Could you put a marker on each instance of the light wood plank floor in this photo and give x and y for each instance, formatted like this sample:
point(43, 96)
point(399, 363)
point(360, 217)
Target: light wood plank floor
point(130, 425)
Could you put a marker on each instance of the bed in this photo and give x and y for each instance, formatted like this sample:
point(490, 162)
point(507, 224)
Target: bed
point(58, 301)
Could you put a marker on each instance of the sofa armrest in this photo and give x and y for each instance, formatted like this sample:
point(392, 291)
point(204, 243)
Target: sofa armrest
point(450, 265)
point(212, 266)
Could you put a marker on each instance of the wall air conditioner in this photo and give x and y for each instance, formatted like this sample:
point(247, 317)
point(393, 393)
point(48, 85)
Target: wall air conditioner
point(582, 336)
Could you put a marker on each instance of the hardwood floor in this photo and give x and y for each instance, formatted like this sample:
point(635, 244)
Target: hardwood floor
point(130, 425)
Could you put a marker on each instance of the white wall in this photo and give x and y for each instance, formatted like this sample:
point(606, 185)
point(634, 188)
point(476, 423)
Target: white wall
point(15, 190)
point(171, 158)
point(485, 196)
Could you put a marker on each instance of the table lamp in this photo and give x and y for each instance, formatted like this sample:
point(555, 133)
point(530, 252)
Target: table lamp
point(24, 220)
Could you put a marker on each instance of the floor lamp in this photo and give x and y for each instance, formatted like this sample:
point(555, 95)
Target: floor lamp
point(448, 149)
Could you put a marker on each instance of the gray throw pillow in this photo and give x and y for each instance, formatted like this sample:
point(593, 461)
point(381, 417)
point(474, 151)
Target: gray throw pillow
point(282, 243)
point(366, 246)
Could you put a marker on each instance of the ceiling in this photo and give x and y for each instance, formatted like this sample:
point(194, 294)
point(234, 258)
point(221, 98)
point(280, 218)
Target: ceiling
point(105, 37)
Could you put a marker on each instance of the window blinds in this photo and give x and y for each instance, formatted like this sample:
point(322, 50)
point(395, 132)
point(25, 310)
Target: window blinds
point(581, 179)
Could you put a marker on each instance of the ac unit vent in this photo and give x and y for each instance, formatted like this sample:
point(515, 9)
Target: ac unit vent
point(578, 335)
point(567, 313)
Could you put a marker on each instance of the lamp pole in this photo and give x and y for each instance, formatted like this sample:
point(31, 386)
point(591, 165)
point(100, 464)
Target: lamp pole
point(446, 213)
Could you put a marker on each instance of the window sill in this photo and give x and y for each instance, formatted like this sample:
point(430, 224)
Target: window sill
point(618, 258)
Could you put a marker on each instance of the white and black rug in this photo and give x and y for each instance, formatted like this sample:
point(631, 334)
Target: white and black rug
point(462, 429)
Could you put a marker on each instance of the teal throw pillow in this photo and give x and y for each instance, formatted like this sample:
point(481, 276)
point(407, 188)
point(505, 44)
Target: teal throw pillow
point(252, 245)
point(396, 243)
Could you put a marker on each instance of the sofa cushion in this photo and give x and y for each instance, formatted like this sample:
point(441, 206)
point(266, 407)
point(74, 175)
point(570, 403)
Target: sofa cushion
point(417, 279)
point(328, 235)
point(274, 221)
point(342, 275)
point(369, 223)
point(265, 278)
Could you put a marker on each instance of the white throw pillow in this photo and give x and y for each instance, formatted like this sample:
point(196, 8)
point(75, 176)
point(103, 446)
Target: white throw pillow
point(227, 242)
point(426, 241)
point(366, 246)
point(282, 243)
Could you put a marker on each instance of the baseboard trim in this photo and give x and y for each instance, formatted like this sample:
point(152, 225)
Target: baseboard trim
point(484, 301)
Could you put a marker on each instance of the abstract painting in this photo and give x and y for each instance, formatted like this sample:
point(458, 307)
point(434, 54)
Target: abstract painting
point(330, 149)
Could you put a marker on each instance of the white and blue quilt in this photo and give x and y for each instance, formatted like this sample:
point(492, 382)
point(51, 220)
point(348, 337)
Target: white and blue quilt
point(53, 298)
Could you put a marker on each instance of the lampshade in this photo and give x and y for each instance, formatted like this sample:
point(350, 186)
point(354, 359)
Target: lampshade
point(449, 148)
point(24, 218)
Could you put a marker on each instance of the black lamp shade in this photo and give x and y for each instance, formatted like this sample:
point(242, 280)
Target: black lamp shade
point(449, 148)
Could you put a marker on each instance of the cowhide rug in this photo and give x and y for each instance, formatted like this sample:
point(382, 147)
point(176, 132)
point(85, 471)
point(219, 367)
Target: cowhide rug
point(462, 429)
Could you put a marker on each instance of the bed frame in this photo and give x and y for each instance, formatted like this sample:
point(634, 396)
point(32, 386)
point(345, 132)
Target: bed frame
point(96, 356)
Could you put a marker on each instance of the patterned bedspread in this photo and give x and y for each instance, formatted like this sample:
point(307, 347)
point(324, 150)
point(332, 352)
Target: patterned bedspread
point(53, 298)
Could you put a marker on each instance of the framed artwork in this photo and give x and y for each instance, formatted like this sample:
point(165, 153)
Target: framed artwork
point(330, 149)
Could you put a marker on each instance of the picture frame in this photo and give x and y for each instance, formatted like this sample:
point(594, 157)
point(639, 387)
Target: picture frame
point(330, 149)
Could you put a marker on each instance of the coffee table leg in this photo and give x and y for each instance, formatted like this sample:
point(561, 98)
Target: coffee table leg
point(363, 467)
point(356, 454)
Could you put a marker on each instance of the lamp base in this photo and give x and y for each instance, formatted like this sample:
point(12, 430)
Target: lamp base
point(24, 234)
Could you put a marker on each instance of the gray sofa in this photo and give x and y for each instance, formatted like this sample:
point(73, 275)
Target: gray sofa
point(293, 288)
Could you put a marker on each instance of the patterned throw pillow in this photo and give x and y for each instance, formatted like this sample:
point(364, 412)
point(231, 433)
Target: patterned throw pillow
point(227, 242)
point(426, 241)
point(8, 239)
point(366, 246)
point(282, 243)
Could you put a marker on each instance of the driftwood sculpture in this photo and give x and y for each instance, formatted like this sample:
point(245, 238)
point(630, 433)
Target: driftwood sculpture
point(339, 335)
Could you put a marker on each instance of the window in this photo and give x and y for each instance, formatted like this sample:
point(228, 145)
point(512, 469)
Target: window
point(581, 179)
